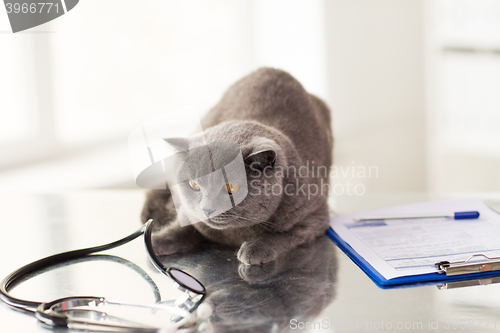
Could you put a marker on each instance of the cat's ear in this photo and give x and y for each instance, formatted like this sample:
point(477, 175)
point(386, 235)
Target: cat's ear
point(261, 159)
point(181, 144)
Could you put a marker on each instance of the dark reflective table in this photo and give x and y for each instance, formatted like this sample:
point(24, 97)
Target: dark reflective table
point(314, 288)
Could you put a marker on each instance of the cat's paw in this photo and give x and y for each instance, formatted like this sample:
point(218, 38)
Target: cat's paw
point(256, 274)
point(164, 245)
point(175, 240)
point(256, 253)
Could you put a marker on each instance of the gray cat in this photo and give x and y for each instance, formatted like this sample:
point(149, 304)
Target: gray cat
point(285, 138)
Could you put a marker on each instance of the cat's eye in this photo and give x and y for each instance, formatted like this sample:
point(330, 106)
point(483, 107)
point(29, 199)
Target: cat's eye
point(232, 188)
point(194, 186)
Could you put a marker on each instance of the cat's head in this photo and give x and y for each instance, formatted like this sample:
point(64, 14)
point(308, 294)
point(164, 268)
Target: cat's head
point(227, 184)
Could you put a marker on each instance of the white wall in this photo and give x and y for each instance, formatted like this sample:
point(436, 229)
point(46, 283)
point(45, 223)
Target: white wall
point(290, 35)
point(108, 76)
point(463, 81)
point(384, 67)
point(376, 79)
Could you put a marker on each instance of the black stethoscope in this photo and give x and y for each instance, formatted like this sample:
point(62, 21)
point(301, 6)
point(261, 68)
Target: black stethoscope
point(84, 312)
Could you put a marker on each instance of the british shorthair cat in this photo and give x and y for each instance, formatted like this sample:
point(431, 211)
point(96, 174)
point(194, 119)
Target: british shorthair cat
point(285, 138)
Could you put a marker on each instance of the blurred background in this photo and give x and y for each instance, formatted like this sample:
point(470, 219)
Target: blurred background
point(414, 86)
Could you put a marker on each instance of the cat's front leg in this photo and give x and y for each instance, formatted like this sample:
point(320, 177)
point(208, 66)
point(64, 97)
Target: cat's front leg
point(158, 206)
point(175, 239)
point(269, 246)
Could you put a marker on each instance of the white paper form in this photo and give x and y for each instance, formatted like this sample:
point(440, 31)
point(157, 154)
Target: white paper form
point(410, 247)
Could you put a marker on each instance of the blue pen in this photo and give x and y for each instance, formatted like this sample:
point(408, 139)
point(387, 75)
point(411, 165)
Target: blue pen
point(456, 216)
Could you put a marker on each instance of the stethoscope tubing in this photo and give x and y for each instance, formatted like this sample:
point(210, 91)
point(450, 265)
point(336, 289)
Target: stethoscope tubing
point(43, 310)
point(13, 278)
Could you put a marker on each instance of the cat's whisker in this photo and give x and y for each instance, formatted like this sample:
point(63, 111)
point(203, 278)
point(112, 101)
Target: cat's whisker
point(265, 224)
point(249, 227)
point(255, 220)
point(268, 226)
point(246, 227)
point(250, 219)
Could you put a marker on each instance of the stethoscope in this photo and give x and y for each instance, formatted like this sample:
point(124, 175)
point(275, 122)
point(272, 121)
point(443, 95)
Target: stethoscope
point(85, 312)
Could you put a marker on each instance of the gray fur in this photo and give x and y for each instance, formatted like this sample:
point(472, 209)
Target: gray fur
point(276, 124)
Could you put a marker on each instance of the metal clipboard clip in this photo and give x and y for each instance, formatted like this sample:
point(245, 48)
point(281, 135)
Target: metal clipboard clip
point(464, 267)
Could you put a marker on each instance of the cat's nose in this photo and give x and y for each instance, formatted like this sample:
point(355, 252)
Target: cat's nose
point(208, 211)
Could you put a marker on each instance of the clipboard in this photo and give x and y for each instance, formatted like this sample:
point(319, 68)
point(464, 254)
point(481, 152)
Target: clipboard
point(421, 279)
point(445, 273)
